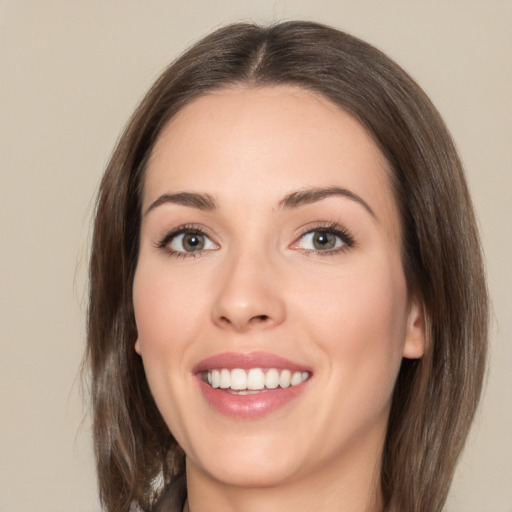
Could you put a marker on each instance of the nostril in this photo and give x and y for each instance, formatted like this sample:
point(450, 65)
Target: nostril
point(260, 318)
point(243, 316)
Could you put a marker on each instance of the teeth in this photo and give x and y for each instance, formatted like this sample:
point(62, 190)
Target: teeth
point(254, 379)
point(215, 378)
point(297, 378)
point(285, 378)
point(238, 379)
point(225, 379)
point(272, 379)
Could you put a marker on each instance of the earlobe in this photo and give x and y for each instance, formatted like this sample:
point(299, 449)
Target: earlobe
point(415, 336)
point(137, 346)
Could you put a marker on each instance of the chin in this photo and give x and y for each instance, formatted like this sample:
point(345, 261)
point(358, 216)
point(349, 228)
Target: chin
point(260, 475)
point(257, 466)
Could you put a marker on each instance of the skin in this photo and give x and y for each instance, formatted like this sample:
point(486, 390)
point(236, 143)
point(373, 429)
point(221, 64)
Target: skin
point(260, 285)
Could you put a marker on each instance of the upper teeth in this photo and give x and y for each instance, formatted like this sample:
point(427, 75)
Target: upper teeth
point(254, 379)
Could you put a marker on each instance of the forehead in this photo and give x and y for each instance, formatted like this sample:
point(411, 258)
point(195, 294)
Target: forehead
point(266, 142)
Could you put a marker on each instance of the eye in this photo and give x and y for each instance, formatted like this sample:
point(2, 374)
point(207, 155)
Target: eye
point(185, 242)
point(320, 241)
point(325, 239)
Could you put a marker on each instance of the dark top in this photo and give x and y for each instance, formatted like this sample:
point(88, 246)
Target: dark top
point(173, 498)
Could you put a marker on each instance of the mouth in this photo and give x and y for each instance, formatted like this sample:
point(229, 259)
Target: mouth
point(250, 386)
point(254, 380)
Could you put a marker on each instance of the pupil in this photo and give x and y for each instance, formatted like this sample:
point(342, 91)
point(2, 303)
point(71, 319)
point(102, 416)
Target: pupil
point(324, 240)
point(193, 242)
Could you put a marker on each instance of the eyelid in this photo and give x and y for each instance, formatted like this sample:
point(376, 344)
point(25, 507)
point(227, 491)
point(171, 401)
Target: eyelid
point(334, 228)
point(170, 235)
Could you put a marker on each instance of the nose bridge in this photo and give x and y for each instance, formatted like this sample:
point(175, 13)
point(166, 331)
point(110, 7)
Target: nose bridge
point(249, 295)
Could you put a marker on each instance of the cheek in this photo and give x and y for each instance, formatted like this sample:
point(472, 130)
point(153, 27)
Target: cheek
point(358, 320)
point(166, 308)
point(166, 313)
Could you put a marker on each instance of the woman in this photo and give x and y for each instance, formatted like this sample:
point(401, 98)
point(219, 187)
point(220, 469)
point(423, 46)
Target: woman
point(287, 301)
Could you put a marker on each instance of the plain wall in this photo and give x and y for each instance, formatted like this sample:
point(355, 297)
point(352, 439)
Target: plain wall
point(71, 72)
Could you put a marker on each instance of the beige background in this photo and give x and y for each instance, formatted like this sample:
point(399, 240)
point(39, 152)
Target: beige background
point(72, 72)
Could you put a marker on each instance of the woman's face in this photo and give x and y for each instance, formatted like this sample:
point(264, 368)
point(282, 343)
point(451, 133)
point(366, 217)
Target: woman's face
point(270, 299)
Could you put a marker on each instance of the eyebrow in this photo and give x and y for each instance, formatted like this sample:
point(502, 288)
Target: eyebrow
point(192, 199)
point(293, 200)
point(308, 196)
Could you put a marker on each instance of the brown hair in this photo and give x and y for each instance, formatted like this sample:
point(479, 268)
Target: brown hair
point(436, 396)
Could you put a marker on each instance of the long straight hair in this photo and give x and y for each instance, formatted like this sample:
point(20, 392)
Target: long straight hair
point(436, 396)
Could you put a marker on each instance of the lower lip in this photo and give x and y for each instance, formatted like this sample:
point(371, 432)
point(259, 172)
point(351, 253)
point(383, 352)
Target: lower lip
point(249, 406)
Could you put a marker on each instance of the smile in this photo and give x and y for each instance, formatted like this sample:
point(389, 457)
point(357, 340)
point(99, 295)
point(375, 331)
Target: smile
point(254, 379)
point(250, 385)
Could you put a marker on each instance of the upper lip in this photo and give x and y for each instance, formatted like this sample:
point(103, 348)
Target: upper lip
point(247, 361)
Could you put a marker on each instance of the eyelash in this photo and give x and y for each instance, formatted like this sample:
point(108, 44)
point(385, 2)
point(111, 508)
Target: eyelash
point(165, 242)
point(348, 241)
point(333, 228)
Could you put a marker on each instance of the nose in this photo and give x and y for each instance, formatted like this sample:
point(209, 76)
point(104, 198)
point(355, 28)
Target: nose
point(249, 295)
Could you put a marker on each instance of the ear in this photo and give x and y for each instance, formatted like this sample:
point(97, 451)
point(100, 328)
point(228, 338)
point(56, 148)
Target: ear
point(415, 335)
point(137, 346)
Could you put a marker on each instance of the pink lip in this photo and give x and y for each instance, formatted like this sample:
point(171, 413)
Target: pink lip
point(246, 361)
point(249, 406)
